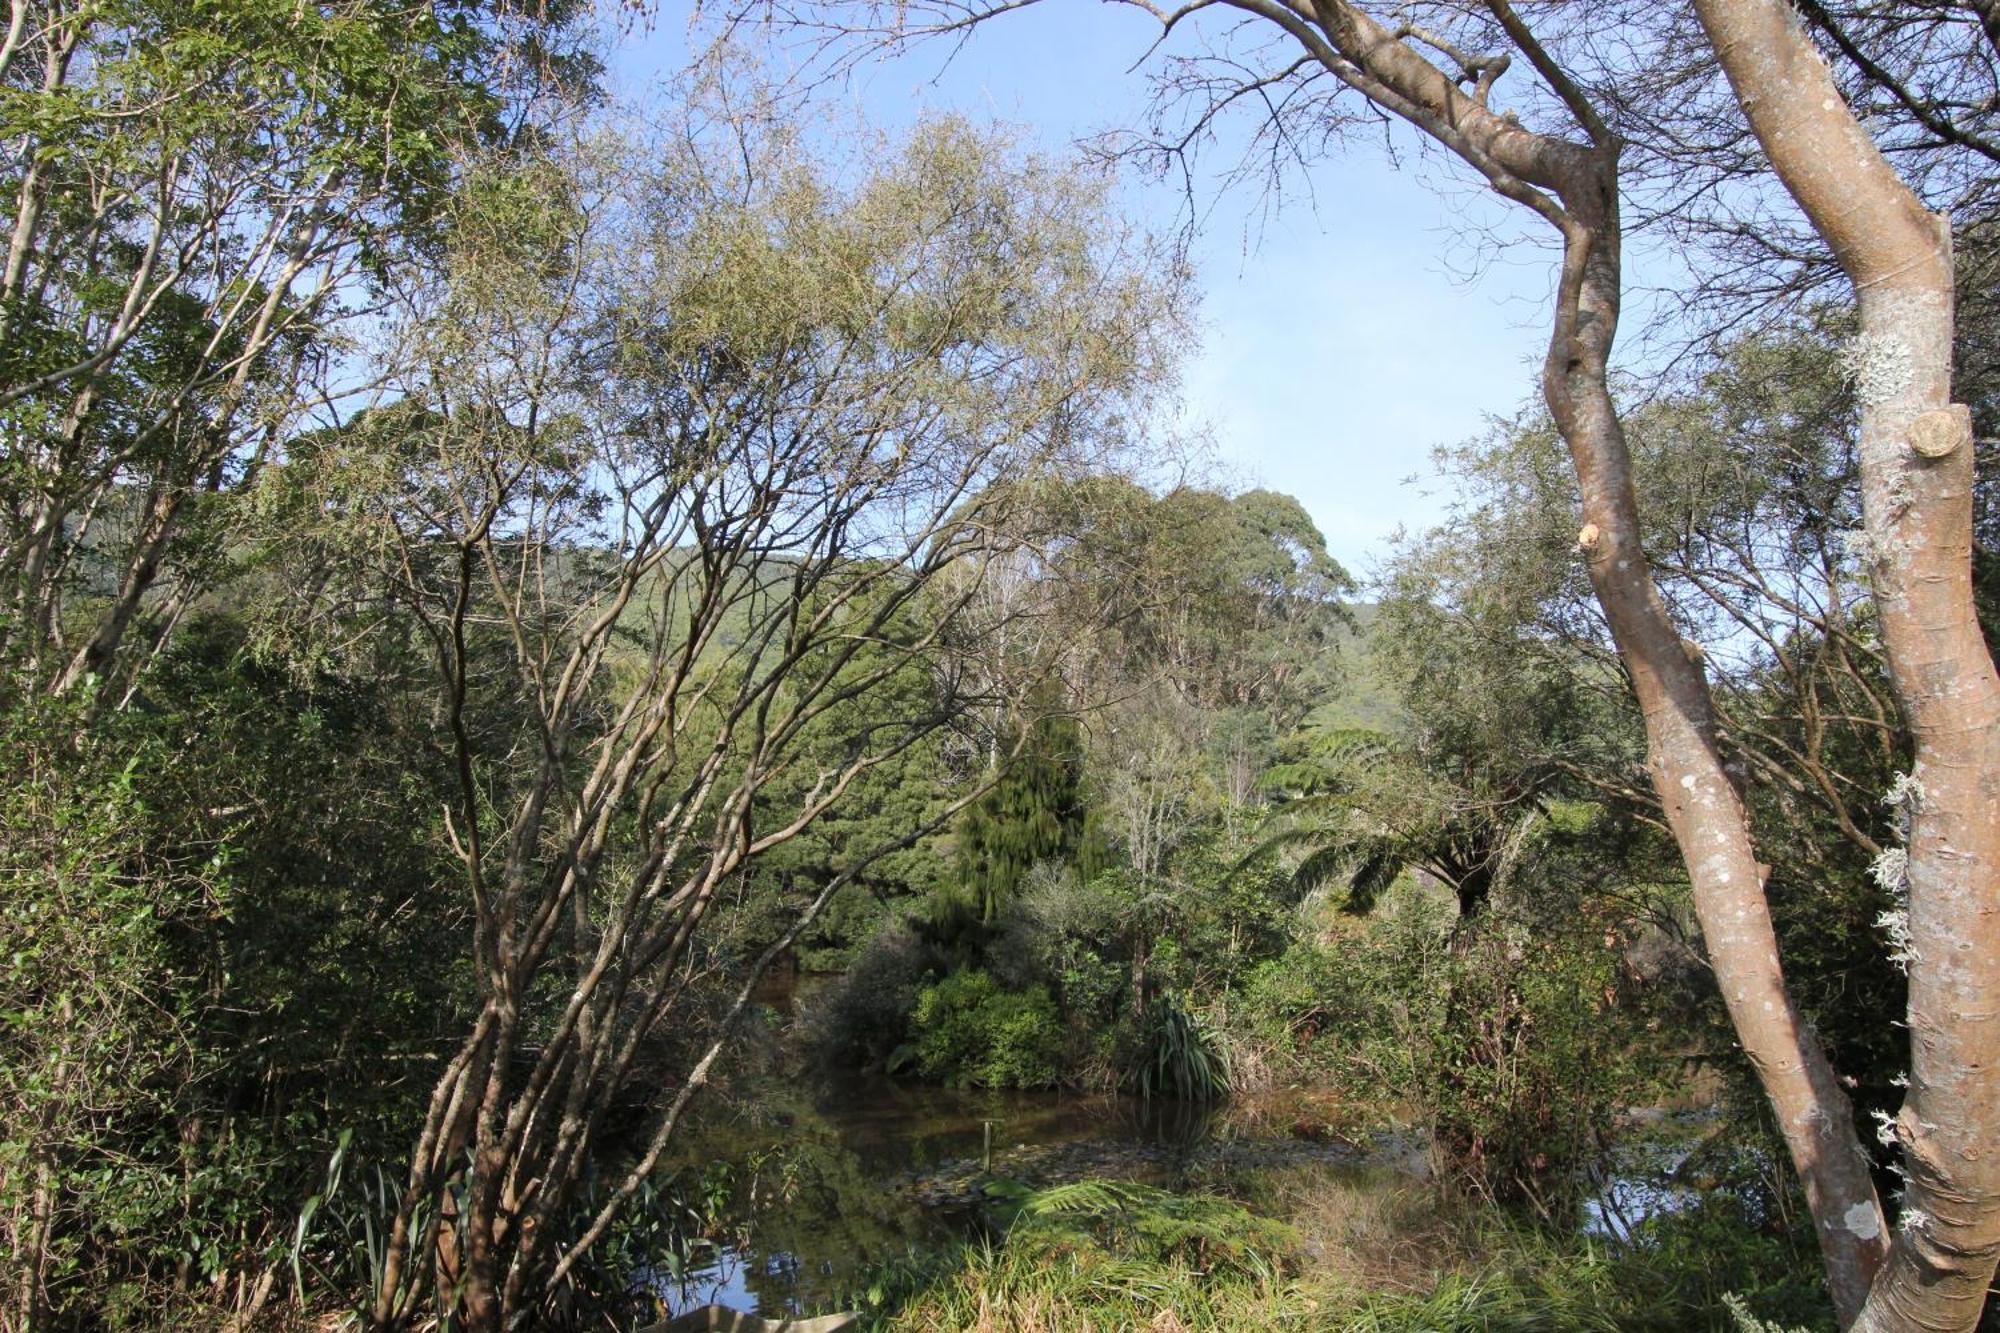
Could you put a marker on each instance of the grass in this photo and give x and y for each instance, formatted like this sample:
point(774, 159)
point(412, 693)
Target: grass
point(1322, 1251)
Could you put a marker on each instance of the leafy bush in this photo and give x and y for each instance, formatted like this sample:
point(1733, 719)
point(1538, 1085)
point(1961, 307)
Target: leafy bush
point(217, 970)
point(968, 1032)
point(1522, 1058)
point(1511, 1036)
point(1067, 932)
point(1717, 1256)
point(1311, 1011)
point(862, 1019)
point(92, 1030)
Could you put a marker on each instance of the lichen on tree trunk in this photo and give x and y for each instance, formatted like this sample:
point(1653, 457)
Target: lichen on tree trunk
point(1916, 478)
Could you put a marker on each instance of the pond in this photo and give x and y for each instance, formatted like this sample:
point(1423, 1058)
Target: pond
point(821, 1183)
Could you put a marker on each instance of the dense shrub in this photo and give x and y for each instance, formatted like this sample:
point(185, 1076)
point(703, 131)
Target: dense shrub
point(968, 1032)
point(1512, 1039)
point(1067, 932)
point(218, 968)
point(93, 1028)
point(863, 1018)
point(1522, 1059)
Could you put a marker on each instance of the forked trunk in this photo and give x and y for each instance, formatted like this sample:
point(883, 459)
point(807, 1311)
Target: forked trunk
point(1574, 187)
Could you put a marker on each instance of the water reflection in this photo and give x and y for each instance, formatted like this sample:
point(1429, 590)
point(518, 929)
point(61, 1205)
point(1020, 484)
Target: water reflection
point(1648, 1173)
point(824, 1184)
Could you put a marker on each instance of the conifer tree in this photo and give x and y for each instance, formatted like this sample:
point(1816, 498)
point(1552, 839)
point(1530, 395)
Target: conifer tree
point(1034, 813)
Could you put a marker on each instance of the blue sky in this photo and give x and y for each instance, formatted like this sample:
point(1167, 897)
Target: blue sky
point(1341, 340)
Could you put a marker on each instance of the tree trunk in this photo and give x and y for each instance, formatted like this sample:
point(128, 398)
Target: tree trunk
point(142, 568)
point(1709, 822)
point(1574, 187)
point(1916, 479)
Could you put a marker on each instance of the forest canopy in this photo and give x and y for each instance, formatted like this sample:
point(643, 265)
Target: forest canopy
point(494, 580)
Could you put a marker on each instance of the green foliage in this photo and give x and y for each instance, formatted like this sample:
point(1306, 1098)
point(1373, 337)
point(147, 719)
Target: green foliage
point(220, 970)
point(1034, 813)
point(863, 1017)
point(309, 779)
point(1746, 475)
point(1514, 1040)
point(1218, 1236)
point(1715, 1256)
point(234, 958)
point(1357, 810)
point(909, 790)
point(1522, 1060)
point(95, 1024)
point(207, 194)
point(1747, 1320)
point(1106, 1254)
point(1111, 1255)
point(1233, 598)
point(1181, 1055)
point(1072, 934)
point(1573, 1296)
point(968, 1032)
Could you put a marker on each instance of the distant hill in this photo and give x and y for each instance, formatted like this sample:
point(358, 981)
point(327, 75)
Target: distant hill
point(1364, 699)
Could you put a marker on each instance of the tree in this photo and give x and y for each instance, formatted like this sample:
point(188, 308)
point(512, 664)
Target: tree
point(201, 197)
point(903, 793)
point(1916, 480)
point(1747, 477)
point(1362, 808)
point(1556, 155)
point(690, 471)
point(1034, 812)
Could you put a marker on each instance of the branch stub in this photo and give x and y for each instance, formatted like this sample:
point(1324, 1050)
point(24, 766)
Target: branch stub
point(1940, 432)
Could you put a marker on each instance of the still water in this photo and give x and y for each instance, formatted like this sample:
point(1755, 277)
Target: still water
point(819, 1185)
